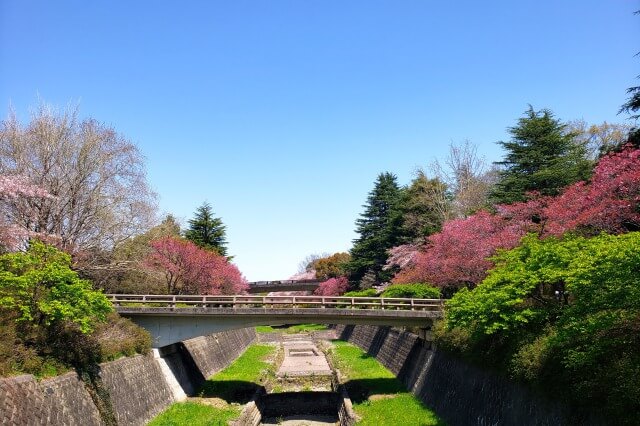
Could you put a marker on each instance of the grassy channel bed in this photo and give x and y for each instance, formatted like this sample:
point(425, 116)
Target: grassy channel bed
point(229, 389)
point(377, 395)
point(292, 329)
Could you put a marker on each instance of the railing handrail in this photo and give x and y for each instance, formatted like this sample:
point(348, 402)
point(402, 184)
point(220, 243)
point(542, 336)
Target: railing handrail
point(276, 282)
point(298, 302)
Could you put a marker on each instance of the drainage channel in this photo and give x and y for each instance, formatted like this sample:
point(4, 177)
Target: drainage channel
point(305, 391)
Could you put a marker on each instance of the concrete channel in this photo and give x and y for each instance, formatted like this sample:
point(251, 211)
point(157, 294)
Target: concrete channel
point(305, 390)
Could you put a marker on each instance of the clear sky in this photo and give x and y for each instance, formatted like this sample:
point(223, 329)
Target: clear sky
point(282, 113)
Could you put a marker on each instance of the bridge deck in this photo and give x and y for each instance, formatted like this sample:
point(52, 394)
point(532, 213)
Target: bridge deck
point(171, 319)
point(173, 303)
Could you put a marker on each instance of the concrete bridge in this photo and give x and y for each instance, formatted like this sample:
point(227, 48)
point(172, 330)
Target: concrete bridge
point(171, 319)
point(283, 285)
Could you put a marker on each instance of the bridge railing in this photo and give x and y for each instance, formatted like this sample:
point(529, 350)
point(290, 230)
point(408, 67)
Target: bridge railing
point(282, 282)
point(273, 302)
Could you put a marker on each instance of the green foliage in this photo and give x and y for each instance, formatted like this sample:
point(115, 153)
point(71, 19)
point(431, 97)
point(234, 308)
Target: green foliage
point(421, 208)
point(370, 292)
point(378, 229)
point(518, 292)
point(333, 266)
point(540, 157)
point(41, 287)
point(207, 231)
point(119, 336)
point(51, 320)
point(581, 342)
point(414, 291)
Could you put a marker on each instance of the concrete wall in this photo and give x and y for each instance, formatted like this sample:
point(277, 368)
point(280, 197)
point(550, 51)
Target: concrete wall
point(137, 387)
point(459, 393)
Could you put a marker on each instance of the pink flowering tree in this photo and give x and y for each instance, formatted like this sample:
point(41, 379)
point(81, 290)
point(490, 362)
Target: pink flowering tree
point(460, 255)
point(402, 257)
point(609, 202)
point(14, 231)
point(189, 269)
point(332, 287)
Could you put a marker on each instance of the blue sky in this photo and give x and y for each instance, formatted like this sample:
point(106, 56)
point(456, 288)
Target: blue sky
point(282, 113)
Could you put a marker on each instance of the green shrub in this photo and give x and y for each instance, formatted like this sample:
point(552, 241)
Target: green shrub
point(562, 314)
point(370, 292)
point(416, 291)
point(120, 337)
point(52, 321)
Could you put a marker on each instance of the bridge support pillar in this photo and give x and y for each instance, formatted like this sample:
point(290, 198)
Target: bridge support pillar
point(426, 334)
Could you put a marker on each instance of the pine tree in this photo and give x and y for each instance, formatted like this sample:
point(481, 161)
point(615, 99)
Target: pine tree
point(541, 157)
point(378, 229)
point(207, 231)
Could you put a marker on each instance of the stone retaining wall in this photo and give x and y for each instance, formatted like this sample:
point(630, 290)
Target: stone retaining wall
point(62, 400)
point(459, 393)
point(214, 352)
point(137, 388)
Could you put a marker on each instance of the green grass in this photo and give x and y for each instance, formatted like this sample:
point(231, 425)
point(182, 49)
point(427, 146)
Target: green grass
point(236, 384)
point(292, 329)
point(242, 377)
point(364, 376)
point(195, 414)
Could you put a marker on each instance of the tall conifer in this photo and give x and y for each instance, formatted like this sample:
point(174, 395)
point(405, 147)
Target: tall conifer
point(541, 156)
point(379, 230)
point(207, 231)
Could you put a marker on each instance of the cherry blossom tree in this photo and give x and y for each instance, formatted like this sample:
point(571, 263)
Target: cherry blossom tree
point(18, 190)
point(332, 287)
point(459, 254)
point(609, 202)
point(189, 269)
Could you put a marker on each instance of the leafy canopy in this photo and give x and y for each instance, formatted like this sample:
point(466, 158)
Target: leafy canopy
point(41, 287)
point(416, 291)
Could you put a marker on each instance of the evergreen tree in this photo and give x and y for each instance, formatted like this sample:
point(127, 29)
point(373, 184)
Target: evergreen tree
point(541, 156)
point(423, 207)
point(378, 229)
point(207, 231)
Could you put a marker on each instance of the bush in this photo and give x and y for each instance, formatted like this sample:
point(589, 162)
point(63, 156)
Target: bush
point(562, 314)
point(121, 337)
point(370, 292)
point(415, 291)
point(52, 321)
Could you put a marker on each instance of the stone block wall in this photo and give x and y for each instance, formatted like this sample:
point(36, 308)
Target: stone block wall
point(214, 352)
point(61, 400)
point(137, 387)
point(459, 393)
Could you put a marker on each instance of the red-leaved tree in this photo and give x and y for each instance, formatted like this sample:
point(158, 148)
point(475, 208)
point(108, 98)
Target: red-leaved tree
point(460, 254)
point(609, 202)
point(189, 269)
point(332, 287)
